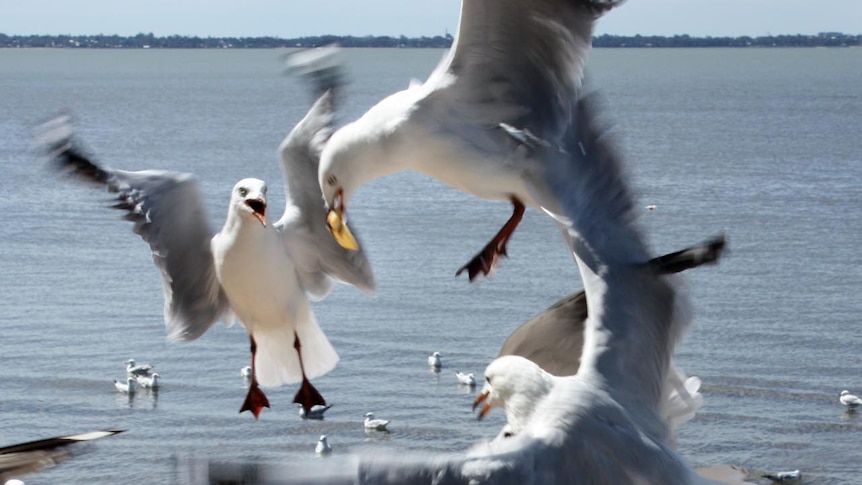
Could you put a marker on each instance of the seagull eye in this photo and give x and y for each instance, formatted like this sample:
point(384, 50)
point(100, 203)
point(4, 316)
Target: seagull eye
point(488, 380)
point(243, 191)
point(332, 180)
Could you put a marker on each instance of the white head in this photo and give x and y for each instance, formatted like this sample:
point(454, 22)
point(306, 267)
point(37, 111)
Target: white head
point(515, 384)
point(369, 415)
point(248, 199)
point(359, 152)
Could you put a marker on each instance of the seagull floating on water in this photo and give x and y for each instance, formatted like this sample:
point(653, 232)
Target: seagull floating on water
point(316, 412)
point(503, 89)
point(149, 382)
point(245, 371)
point(375, 424)
point(323, 447)
point(129, 387)
point(133, 369)
point(258, 272)
point(849, 400)
point(465, 379)
point(784, 477)
point(434, 361)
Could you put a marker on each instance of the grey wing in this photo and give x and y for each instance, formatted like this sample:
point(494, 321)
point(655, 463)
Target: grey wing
point(32, 456)
point(514, 62)
point(316, 254)
point(168, 213)
point(554, 339)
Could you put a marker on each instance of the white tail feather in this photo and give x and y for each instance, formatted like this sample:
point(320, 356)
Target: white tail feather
point(276, 361)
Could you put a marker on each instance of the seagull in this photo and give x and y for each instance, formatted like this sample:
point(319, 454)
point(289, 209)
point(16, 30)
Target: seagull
point(32, 456)
point(651, 207)
point(517, 384)
point(465, 379)
point(434, 361)
point(130, 386)
point(149, 382)
point(554, 338)
point(245, 371)
point(503, 89)
point(849, 400)
point(375, 424)
point(788, 476)
point(323, 447)
point(133, 369)
point(316, 412)
point(604, 424)
point(262, 274)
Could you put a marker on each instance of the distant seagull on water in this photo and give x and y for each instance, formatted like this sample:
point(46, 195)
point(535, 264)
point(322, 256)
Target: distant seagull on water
point(849, 400)
point(323, 447)
point(434, 361)
point(129, 387)
point(316, 412)
point(149, 382)
point(375, 424)
point(133, 369)
point(784, 477)
point(465, 379)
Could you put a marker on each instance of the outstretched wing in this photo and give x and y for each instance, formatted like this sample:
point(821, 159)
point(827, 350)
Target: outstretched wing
point(32, 456)
point(554, 339)
point(168, 213)
point(316, 254)
point(515, 62)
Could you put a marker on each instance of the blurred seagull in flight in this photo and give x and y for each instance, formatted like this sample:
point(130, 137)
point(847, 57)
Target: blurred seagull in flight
point(517, 385)
point(504, 89)
point(554, 339)
point(259, 272)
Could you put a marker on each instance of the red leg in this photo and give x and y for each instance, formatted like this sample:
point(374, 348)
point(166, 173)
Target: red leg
point(487, 258)
point(307, 396)
point(255, 400)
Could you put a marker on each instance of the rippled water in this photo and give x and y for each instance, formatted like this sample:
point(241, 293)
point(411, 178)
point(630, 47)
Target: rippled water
point(761, 144)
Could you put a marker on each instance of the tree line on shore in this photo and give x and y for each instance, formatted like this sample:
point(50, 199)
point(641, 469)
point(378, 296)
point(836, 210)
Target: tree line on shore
point(142, 41)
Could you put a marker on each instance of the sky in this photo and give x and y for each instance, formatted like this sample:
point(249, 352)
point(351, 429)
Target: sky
point(298, 18)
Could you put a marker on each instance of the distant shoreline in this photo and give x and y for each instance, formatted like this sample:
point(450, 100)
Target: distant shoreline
point(148, 41)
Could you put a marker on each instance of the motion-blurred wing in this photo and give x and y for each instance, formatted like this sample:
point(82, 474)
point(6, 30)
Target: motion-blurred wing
point(316, 254)
point(168, 213)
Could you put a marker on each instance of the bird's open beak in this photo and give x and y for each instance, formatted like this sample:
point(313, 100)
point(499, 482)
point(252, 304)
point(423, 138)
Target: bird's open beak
point(481, 399)
point(337, 223)
point(258, 208)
